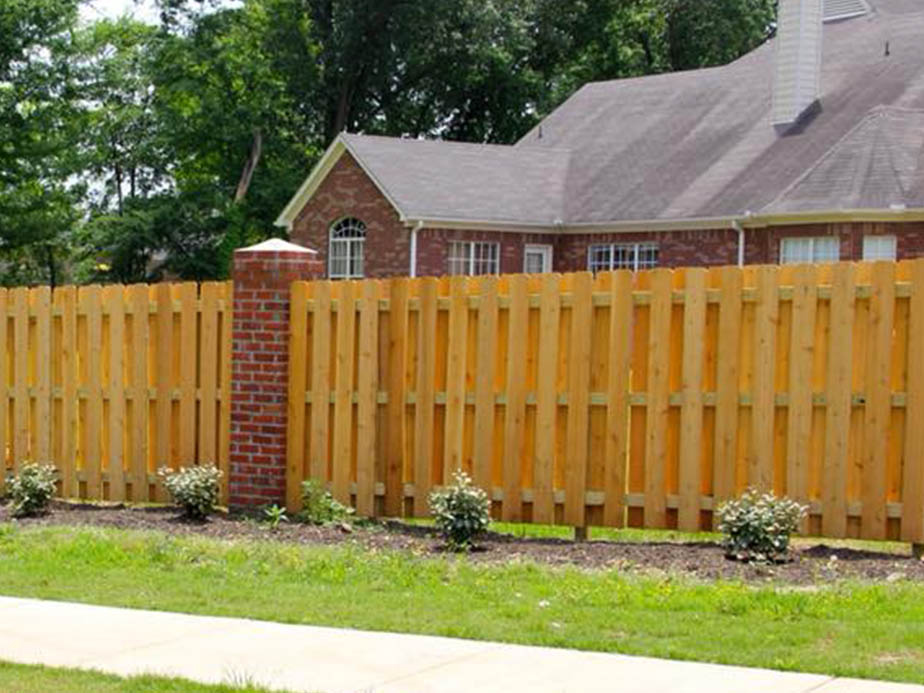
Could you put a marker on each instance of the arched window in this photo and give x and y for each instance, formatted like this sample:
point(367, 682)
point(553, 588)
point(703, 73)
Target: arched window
point(347, 238)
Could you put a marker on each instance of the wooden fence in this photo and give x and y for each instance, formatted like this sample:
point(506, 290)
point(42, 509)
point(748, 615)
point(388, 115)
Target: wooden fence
point(622, 399)
point(111, 383)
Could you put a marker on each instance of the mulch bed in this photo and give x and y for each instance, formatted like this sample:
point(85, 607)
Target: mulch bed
point(809, 565)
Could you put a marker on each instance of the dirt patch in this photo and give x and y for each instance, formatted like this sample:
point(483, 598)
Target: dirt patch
point(809, 565)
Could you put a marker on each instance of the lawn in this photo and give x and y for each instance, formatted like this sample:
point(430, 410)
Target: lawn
point(844, 628)
point(21, 678)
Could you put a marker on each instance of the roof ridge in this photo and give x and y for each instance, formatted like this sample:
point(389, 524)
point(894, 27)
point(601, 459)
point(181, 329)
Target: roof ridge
point(456, 143)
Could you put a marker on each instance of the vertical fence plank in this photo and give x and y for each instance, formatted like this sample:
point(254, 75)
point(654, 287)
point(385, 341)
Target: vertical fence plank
point(801, 348)
point(367, 394)
point(138, 296)
point(837, 418)
point(91, 300)
point(186, 440)
point(578, 400)
point(727, 375)
point(319, 445)
point(691, 413)
point(343, 402)
point(658, 400)
point(515, 412)
point(20, 377)
point(208, 373)
point(912, 526)
point(396, 413)
point(760, 454)
point(424, 404)
point(546, 400)
point(298, 382)
point(43, 371)
point(484, 383)
point(455, 378)
point(69, 391)
point(878, 402)
point(617, 413)
point(163, 418)
point(114, 300)
point(4, 392)
point(226, 295)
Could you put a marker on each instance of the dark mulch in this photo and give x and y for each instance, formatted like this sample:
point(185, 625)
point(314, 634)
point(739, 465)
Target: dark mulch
point(808, 565)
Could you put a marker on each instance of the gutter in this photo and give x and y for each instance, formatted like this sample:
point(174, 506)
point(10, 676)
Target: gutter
point(736, 225)
point(412, 270)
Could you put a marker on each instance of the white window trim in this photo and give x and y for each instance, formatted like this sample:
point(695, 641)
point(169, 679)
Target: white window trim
point(547, 251)
point(880, 237)
point(470, 272)
point(636, 247)
point(812, 240)
point(349, 242)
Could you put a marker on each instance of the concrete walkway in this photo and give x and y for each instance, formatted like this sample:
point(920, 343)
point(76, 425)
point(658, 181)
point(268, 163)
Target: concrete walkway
point(330, 660)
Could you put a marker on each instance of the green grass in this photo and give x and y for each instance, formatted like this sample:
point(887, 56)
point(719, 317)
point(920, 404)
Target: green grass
point(22, 678)
point(845, 629)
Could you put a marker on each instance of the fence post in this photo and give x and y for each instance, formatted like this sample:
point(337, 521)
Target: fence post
point(262, 276)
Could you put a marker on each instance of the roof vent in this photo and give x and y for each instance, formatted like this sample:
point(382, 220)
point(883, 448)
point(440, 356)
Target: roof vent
point(844, 9)
point(797, 80)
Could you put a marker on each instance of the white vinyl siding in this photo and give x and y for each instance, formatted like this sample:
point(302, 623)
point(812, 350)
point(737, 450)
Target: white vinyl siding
point(879, 248)
point(810, 250)
point(613, 256)
point(474, 257)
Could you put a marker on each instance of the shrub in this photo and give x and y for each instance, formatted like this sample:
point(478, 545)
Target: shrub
point(757, 526)
point(462, 512)
point(32, 489)
point(319, 507)
point(194, 489)
point(274, 515)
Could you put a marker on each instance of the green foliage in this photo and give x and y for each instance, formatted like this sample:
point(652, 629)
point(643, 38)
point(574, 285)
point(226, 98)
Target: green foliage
point(194, 489)
point(757, 526)
point(319, 507)
point(461, 512)
point(32, 489)
point(274, 515)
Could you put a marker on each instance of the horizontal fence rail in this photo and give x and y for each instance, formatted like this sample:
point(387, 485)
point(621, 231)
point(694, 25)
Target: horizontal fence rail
point(619, 399)
point(111, 383)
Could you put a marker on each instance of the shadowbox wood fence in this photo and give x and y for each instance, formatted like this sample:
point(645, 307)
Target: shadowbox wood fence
point(112, 383)
point(619, 399)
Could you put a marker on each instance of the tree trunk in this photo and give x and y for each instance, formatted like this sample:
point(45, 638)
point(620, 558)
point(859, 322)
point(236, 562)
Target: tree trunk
point(256, 149)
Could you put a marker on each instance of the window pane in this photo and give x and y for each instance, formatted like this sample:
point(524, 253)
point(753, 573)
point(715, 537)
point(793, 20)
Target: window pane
point(599, 258)
point(536, 260)
point(879, 248)
point(827, 249)
point(347, 240)
point(793, 250)
point(487, 258)
point(647, 254)
point(624, 256)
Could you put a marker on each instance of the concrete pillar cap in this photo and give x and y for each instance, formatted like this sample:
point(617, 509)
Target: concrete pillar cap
point(276, 245)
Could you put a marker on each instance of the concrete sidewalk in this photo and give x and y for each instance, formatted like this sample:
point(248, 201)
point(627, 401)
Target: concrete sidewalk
point(330, 660)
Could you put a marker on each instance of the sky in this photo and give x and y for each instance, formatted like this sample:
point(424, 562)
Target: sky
point(95, 9)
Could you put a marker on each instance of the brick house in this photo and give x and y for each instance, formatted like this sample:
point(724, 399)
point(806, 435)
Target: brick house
point(808, 149)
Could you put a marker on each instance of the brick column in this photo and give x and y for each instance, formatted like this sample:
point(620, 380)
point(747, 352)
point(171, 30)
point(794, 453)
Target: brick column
point(262, 276)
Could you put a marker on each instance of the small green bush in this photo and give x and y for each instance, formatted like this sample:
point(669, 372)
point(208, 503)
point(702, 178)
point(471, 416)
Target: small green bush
point(273, 515)
point(32, 489)
point(319, 507)
point(461, 511)
point(194, 489)
point(757, 526)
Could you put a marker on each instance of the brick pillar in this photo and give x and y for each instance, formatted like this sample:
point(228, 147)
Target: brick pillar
point(262, 276)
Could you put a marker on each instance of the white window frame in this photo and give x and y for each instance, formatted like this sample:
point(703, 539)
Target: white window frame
point(872, 250)
point(812, 243)
point(354, 246)
point(474, 258)
point(543, 249)
point(636, 251)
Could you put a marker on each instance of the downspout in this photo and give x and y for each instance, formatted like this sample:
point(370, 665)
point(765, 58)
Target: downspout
point(736, 225)
point(412, 270)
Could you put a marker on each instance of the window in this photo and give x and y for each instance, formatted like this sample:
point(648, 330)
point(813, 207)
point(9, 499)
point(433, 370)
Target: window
point(879, 248)
point(474, 257)
point(810, 250)
point(612, 256)
point(347, 239)
point(537, 259)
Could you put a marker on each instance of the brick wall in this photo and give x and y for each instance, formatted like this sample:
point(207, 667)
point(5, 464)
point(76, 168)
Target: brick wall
point(259, 368)
point(433, 248)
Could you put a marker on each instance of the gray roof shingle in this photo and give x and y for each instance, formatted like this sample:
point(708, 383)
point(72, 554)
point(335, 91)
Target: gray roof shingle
point(692, 145)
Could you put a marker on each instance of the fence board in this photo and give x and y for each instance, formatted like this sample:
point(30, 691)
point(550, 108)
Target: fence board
point(656, 419)
point(4, 393)
point(426, 396)
point(114, 301)
point(455, 378)
point(298, 382)
point(578, 400)
point(186, 437)
point(694, 323)
point(367, 389)
point(320, 382)
point(43, 371)
point(515, 411)
point(396, 413)
point(484, 384)
point(343, 391)
point(912, 491)
point(20, 377)
point(760, 470)
point(546, 401)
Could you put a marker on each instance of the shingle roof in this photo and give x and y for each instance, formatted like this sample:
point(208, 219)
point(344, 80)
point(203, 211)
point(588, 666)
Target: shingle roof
point(691, 145)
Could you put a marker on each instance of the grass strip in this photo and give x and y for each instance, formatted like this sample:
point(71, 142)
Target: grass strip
point(839, 628)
